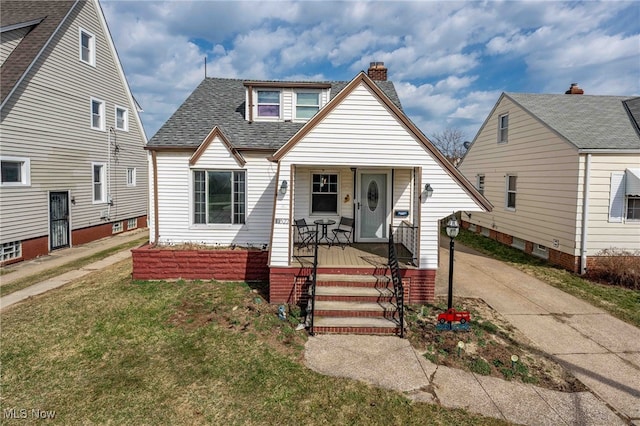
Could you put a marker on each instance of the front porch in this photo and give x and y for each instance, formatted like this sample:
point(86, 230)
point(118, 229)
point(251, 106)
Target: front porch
point(357, 256)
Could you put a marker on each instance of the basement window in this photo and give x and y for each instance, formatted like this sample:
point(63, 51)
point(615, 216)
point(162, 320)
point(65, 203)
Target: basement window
point(540, 251)
point(116, 227)
point(12, 250)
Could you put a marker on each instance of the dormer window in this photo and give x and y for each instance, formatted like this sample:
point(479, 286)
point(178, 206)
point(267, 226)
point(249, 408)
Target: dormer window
point(307, 104)
point(269, 103)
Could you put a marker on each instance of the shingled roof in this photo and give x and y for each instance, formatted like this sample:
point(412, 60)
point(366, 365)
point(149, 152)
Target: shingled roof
point(221, 102)
point(44, 17)
point(588, 122)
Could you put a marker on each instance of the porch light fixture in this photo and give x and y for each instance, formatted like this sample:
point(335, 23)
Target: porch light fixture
point(283, 187)
point(428, 190)
point(452, 229)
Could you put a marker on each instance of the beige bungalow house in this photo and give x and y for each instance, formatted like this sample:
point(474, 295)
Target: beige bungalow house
point(563, 172)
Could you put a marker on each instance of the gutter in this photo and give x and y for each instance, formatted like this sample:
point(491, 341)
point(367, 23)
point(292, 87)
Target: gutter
point(585, 215)
point(608, 151)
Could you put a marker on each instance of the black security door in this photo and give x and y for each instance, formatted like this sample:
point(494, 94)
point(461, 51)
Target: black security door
point(59, 218)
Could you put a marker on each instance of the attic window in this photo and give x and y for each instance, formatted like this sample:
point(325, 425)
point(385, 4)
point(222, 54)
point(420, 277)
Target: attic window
point(269, 103)
point(307, 104)
point(503, 128)
point(87, 47)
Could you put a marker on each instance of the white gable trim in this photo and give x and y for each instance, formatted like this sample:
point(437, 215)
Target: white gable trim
point(36, 57)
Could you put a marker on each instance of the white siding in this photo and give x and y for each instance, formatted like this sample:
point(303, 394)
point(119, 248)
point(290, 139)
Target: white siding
point(603, 234)
point(9, 40)
point(175, 197)
point(548, 178)
point(361, 132)
point(48, 121)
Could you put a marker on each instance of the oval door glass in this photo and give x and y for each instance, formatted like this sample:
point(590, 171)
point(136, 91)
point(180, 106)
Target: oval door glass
point(373, 195)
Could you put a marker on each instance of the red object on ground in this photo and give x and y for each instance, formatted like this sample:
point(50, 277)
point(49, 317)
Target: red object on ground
point(451, 315)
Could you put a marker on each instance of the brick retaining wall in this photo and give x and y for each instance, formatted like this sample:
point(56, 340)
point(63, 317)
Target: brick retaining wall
point(151, 263)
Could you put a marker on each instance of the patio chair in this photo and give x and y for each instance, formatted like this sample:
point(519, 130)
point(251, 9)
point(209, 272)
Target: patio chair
point(344, 229)
point(306, 234)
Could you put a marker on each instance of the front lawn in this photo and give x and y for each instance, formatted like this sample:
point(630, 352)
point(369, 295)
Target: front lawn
point(105, 349)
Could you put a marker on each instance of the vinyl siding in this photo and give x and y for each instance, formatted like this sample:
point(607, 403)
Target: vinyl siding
point(48, 121)
point(175, 199)
point(601, 233)
point(361, 132)
point(548, 179)
point(9, 40)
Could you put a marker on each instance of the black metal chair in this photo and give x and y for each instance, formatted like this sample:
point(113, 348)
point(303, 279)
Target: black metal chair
point(344, 229)
point(306, 234)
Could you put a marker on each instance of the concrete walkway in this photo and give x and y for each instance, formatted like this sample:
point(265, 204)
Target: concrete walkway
point(601, 351)
point(61, 257)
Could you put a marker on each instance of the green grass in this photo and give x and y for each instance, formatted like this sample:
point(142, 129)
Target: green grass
point(105, 349)
point(620, 302)
point(71, 266)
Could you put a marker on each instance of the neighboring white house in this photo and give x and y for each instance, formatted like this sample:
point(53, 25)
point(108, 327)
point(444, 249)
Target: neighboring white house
point(241, 159)
point(73, 161)
point(563, 174)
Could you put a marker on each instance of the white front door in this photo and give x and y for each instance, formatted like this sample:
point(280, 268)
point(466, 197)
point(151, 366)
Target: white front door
point(373, 210)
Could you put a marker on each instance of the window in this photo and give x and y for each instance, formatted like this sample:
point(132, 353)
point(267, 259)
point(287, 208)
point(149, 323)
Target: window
point(16, 171)
point(511, 192)
point(503, 128)
point(122, 119)
point(307, 104)
point(87, 47)
point(324, 193)
point(269, 103)
point(97, 114)
point(518, 243)
point(219, 196)
point(131, 176)
point(12, 250)
point(99, 189)
point(633, 208)
point(480, 184)
point(540, 251)
point(116, 227)
point(132, 223)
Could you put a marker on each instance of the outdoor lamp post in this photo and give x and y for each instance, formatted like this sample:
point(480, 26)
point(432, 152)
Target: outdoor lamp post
point(452, 231)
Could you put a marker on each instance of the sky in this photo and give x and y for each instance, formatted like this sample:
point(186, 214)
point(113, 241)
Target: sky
point(449, 60)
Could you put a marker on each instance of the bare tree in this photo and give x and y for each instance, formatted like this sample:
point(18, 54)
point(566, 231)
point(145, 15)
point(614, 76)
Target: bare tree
point(451, 143)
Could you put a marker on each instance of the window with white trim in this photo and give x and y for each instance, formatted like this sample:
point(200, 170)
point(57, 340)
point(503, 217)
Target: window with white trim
point(16, 171)
point(307, 104)
point(98, 177)
point(122, 119)
point(480, 183)
point(219, 196)
point(624, 196)
point(87, 47)
point(503, 128)
point(510, 196)
point(132, 223)
point(12, 250)
point(131, 176)
point(116, 227)
point(324, 193)
point(97, 114)
point(268, 103)
point(633, 208)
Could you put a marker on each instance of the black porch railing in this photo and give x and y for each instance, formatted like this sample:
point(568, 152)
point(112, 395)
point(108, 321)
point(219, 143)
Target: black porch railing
point(406, 235)
point(312, 284)
point(398, 288)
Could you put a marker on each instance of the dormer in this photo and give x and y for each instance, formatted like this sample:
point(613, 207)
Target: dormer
point(284, 101)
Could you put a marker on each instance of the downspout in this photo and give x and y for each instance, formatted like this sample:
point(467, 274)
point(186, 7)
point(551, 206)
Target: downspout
point(156, 230)
point(585, 215)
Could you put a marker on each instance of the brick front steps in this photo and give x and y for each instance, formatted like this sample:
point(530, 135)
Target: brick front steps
point(355, 304)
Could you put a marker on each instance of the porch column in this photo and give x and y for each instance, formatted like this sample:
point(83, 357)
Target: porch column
point(282, 217)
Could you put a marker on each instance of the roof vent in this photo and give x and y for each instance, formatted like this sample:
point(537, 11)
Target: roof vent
point(377, 71)
point(574, 90)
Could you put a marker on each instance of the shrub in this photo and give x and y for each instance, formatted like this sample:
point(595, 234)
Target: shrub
point(617, 267)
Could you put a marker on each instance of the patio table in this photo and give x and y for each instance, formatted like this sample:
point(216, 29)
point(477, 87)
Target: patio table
point(325, 225)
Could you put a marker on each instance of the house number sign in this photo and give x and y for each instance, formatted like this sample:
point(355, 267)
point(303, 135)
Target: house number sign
point(281, 221)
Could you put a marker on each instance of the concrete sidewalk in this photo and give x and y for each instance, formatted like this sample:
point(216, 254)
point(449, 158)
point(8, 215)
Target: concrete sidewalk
point(600, 350)
point(62, 257)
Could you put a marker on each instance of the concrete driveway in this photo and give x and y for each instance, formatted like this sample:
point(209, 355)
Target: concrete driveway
point(600, 350)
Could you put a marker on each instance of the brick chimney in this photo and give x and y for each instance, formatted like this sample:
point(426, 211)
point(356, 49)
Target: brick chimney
point(377, 71)
point(574, 90)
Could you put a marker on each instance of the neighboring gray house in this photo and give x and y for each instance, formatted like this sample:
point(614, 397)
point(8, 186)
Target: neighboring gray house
point(563, 173)
point(73, 161)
